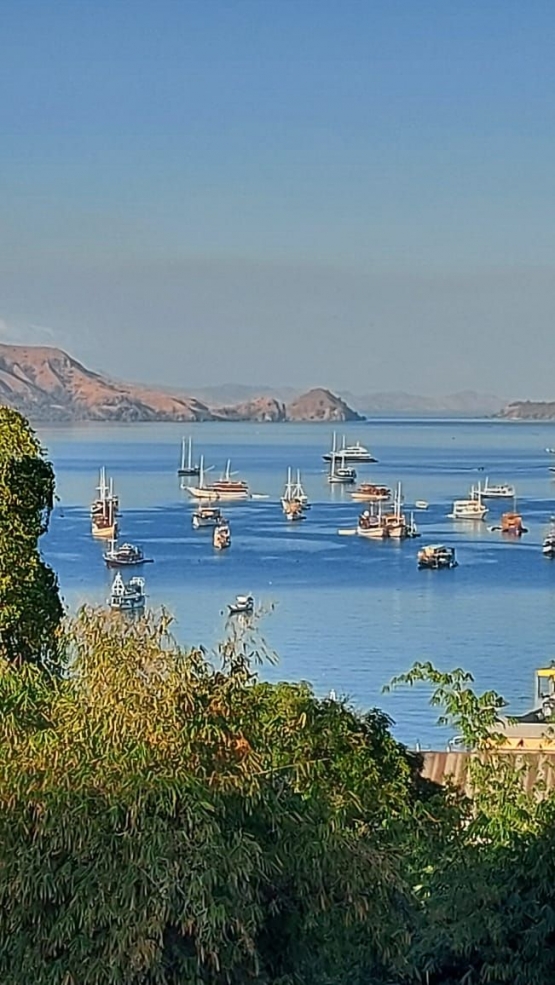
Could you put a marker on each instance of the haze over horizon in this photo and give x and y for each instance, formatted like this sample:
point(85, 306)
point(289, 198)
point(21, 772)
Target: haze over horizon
point(348, 194)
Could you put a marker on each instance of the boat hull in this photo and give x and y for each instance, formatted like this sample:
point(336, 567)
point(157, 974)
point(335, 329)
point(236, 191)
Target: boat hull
point(105, 533)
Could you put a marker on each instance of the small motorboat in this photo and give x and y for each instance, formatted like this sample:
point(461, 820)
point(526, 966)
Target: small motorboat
point(548, 546)
point(436, 556)
point(421, 504)
point(206, 516)
point(127, 596)
point(125, 556)
point(243, 606)
point(221, 537)
point(342, 474)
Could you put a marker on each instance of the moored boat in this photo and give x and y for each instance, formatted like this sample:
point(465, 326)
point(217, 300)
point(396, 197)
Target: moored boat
point(356, 453)
point(206, 516)
point(127, 596)
point(399, 526)
point(126, 555)
point(372, 524)
point(221, 537)
point(471, 508)
point(104, 509)
point(548, 545)
point(294, 500)
point(243, 606)
point(188, 467)
point(501, 491)
point(369, 492)
point(436, 556)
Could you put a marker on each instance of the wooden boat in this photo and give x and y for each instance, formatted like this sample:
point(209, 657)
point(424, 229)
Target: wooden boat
point(127, 596)
point(471, 508)
point(372, 525)
point(221, 537)
point(398, 525)
point(294, 500)
point(125, 556)
point(369, 492)
point(226, 488)
point(436, 556)
point(188, 467)
point(104, 509)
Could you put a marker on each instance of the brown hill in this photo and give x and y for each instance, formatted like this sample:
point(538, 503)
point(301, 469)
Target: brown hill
point(529, 410)
point(320, 405)
point(46, 384)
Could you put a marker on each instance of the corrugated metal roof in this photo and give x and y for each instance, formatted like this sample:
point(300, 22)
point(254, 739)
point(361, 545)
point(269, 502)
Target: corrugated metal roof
point(538, 773)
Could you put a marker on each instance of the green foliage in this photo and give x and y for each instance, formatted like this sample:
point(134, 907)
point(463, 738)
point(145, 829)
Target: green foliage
point(165, 820)
point(30, 606)
point(487, 892)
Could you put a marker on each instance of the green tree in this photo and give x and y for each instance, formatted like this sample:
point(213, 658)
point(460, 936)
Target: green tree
point(30, 606)
point(487, 891)
point(167, 820)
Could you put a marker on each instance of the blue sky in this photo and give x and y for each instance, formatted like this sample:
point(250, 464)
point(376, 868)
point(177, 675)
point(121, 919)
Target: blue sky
point(357, 194)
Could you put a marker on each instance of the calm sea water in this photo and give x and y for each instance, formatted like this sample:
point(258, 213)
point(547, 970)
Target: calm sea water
point(348, 614)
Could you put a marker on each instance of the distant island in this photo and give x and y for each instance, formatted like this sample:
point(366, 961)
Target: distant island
point(47, 385)
point(528, 410)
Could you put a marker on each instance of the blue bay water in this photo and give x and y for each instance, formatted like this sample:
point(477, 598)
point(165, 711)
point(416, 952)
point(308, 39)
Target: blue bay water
point(345, 613)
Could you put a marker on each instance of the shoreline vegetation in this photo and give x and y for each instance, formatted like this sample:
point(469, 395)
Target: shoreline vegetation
point(169, 818)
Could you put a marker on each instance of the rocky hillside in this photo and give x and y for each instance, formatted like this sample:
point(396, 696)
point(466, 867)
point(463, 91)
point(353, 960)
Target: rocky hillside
point(320, 405)
point(47, 385)
point(529, 410)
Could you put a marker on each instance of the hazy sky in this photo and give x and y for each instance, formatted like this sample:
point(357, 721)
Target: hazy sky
point(353, 194)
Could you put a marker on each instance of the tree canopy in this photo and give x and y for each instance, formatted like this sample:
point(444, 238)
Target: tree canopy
point(30, 606)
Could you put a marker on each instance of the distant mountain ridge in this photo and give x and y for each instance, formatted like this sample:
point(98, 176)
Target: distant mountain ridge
point(394, 402)
point(46, 384)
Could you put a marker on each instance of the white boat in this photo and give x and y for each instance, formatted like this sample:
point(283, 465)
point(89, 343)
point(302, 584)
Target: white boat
point(356, 453)
point(343, 475)
point(127, 596)
point(202, 491)
point(221, 537)
point(188, 467)
point(501, 491)
point(471, 508)
point(436, 556)
point(421, 504)
point(243, 606)
point(548, 546)
point(125, 556)
point(206, 516)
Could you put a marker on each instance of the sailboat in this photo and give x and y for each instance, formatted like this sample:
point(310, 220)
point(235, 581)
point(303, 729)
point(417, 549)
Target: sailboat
point(201, 491)
point(341, 474)
point(396, 521)
point(188, 467)
point(294, 499)
point(104, 509)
